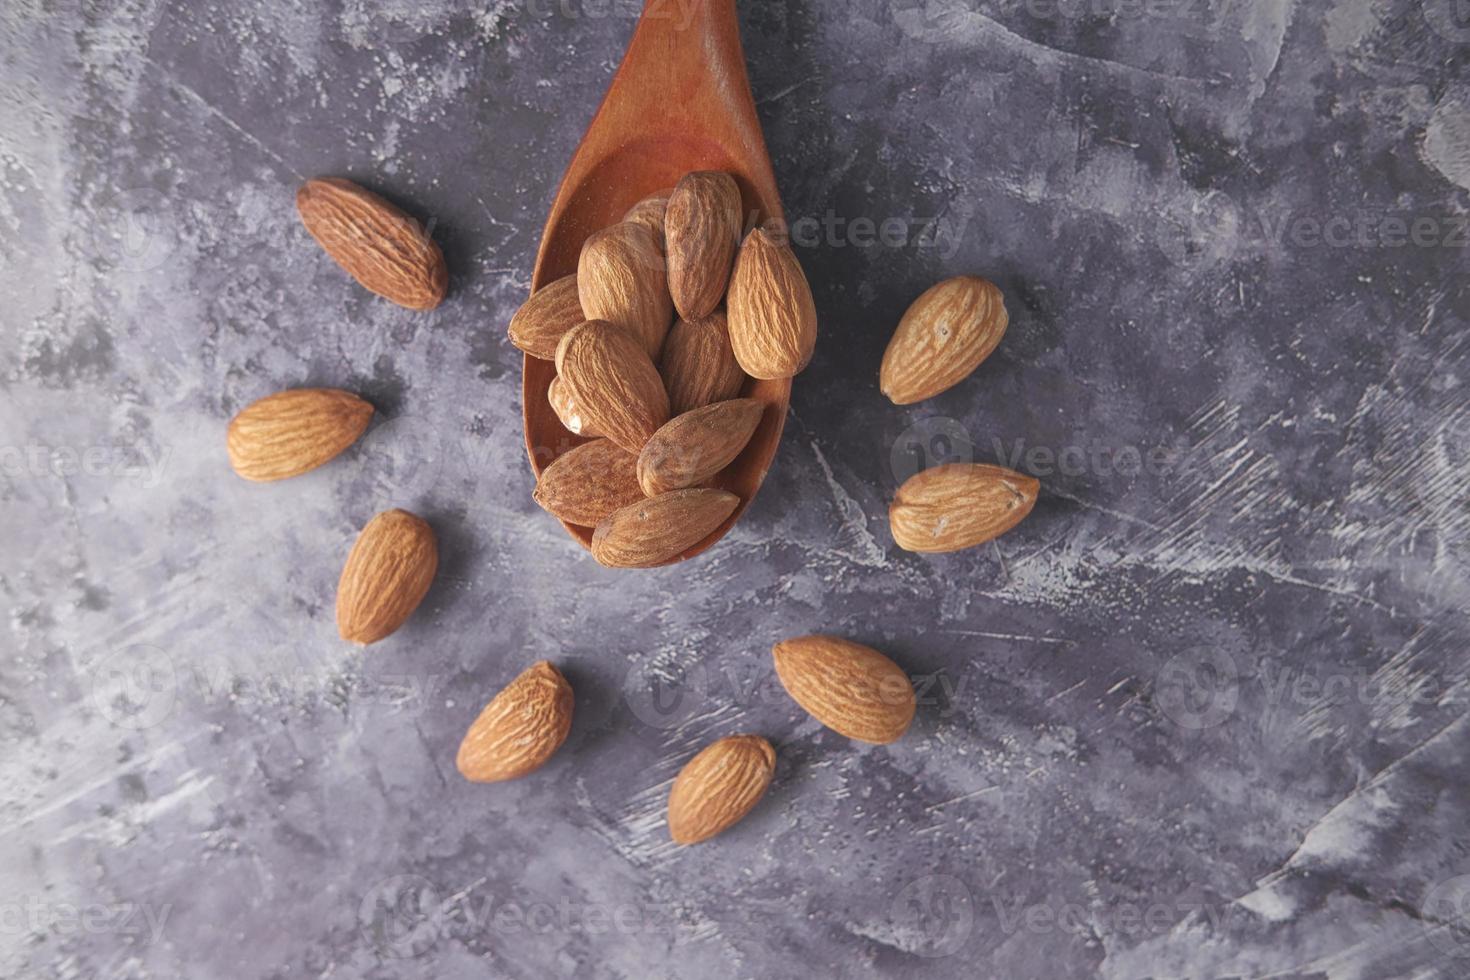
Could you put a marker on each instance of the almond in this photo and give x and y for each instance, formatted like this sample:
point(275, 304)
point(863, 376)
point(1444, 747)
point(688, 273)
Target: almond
point(942, 339)
point(691, 448)
point(959, 505)
point(701, 229)
point(698, 366)
point(773, 321)
point(539, 324)
point(567, 411)
point(386, 576)
point(607, 374)
point(291, 432)
point(585, 484)
point(852, 689)
point(520, 728)
point(379, 245)
point(719, 786)
point(657, 530)
point(649, 212)
point(620, 279)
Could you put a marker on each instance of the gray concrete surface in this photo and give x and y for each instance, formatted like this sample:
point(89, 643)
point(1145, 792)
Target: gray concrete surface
point(1202, 715)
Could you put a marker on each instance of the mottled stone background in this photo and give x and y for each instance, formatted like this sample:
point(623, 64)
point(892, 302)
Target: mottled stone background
point(1204, 714)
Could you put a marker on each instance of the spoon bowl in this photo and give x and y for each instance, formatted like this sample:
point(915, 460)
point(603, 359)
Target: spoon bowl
point(680, 101)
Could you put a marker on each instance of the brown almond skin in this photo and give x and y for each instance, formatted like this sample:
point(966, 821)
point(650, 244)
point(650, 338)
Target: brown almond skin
point(959, 505)
point(942, 338)
point(607, 374)
point(621, 279)
point(520, 729)
point(295, 431)
point(382, 247)
point(542, 320)
point(690, 448)
point(851, 688)
point(719, 786)
point(387, 574)
point(698, 365)
point(585, 484)
point(657, 530)
point(701, 231)
point(649, 212)
point(567, 411)
point(773, 320)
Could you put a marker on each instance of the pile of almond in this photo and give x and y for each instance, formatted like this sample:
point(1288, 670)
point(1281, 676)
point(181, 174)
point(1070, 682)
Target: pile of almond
point(650, 368)
point(649, 365)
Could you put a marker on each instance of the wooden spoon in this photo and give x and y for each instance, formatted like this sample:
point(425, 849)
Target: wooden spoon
point(680, 101)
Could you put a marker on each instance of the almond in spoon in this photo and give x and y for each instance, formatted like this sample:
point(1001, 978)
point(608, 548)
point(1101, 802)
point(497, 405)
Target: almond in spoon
point(657, 530)
point(542, 320)
point(701, 229)
point(698, 365)
point(621, 279)
point(610, 378)
point(691, 448)
point(649, 212)
point(773, 320)
point(567, 411)
point(585, 484)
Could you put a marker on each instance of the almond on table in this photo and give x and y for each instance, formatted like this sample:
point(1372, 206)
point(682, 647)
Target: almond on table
point(943, 337)
point(719, 786)
point(294, 431)
point(387, 575)
point(377, 243)
point(520, 729)
point(959, 505)
point(851, 688)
